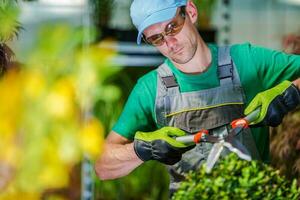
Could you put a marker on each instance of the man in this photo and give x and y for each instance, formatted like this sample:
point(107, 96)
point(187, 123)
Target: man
point(198, 87)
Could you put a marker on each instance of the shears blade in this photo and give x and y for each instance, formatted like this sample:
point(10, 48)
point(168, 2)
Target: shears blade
point(214, 155)
point(237, 151)
point(238, 145)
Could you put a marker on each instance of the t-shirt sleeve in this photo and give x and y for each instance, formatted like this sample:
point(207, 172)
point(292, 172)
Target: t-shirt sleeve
point(273, 66)
point(137, 113)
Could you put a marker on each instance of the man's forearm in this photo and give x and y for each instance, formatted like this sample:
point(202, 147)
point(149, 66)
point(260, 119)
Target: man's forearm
point(116, 161)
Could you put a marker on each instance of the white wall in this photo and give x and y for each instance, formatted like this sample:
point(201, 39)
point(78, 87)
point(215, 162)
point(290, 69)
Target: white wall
point(262, 22)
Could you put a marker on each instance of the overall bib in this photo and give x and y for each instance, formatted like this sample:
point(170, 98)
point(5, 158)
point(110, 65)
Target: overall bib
point(212, 109)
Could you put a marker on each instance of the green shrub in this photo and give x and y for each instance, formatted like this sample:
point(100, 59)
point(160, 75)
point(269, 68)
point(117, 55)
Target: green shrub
point(233, 178)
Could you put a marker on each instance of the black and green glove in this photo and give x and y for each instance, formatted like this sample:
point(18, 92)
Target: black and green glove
point(275, 103)
point(160, 145)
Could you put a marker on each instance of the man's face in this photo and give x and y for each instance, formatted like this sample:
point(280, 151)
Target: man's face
point(176, 39)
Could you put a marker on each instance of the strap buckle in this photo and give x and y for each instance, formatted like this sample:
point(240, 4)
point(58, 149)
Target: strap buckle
point(169, 81)
point(225, 71)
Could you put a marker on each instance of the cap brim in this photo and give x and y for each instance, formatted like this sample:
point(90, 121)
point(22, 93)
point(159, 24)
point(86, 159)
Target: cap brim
point(161, 16)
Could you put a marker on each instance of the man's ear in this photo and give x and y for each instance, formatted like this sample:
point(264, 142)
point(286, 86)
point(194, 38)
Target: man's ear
point(191, 11)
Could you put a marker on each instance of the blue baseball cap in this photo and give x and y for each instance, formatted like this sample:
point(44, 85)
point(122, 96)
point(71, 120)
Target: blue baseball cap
point(145, 13)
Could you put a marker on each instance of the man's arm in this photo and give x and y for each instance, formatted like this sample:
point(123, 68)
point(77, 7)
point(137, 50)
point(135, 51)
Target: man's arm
point(121, 156)
point(297, 83)
point(118, 158)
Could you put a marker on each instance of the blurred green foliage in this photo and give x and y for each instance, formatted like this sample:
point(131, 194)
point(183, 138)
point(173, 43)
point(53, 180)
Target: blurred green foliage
point(102, 10)
point(149, 181)
point(9, 13)
point(46, 108)
point(205, 10)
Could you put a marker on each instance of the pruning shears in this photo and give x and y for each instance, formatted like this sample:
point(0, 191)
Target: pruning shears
point(219, 142)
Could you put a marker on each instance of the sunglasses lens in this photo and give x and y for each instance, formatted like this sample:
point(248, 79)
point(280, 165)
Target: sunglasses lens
point(173, 29)
point(156, 40)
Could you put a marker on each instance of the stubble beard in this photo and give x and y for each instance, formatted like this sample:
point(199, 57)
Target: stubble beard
point(186, 55)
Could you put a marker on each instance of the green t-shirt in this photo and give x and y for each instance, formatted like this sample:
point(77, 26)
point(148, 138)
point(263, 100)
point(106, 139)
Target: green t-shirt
point(259, 69)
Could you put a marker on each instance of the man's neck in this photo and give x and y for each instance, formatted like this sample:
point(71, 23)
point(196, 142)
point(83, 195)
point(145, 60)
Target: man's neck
point(199, 63)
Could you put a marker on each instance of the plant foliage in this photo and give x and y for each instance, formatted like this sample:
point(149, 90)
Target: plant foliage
point(233, 178)
point(9, 13)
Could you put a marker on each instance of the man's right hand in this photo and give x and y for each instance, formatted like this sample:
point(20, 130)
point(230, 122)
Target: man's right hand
point(160, 145)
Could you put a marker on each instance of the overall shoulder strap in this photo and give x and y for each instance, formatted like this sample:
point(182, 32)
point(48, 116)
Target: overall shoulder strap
point(225, 65)
point(166, 76)
point(166, 80)
point(167, 87)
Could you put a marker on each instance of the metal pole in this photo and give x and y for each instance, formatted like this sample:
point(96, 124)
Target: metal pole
point(87, 181)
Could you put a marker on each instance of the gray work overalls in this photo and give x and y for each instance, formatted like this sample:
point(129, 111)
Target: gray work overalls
point(212, 109)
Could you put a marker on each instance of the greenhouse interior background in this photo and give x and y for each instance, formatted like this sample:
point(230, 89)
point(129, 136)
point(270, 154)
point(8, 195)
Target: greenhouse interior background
point(73, 64)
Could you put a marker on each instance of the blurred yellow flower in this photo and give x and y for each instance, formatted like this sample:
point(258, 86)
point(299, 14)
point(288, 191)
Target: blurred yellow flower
point(8, 125)
point(34, 84)
point(68, 147)
point(10, 102)
point(60, 101)
point(54, 174)
point(99, 55)
point(91, 137)
point(11, 154)
point(14, 195)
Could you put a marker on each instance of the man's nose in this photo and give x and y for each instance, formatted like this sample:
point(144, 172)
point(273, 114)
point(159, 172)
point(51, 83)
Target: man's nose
point(171, 42)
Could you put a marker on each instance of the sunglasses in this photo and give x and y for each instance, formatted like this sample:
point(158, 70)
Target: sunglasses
point(173, 28)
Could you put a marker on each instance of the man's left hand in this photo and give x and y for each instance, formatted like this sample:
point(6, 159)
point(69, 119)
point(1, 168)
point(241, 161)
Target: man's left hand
point(275, 103)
